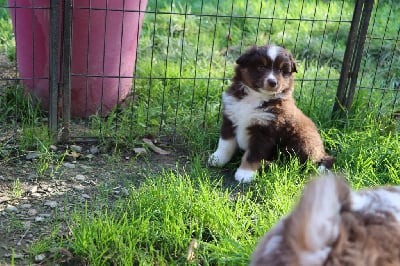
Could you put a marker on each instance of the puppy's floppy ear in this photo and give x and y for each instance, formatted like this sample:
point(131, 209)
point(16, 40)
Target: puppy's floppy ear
point(248, 57)
point(294, 65)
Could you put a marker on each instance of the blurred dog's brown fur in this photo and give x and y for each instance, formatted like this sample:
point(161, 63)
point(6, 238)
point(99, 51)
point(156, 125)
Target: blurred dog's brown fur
point(333, 225)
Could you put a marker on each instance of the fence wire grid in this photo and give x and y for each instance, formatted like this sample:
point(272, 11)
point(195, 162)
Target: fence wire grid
point(170, 82)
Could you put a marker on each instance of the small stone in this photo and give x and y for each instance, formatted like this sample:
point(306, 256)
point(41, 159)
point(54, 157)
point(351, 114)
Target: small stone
point(25, 206)
point(80, 178)
point(32, 176)
point(40, 257)
point(14, 255)
point(51, 203)
point(64, 209)
point(36, 195)
point(78, 187)
point(85, 196)
point(11, 208)
point(39, 219)
point(32, 212)
point(49, 189)
point(76, 148)
point(33, 189)
point(69, 165)
point(32, 155)
point(85, 167)
point(53, 147)
point(27, 224)
point(89, 156)
point(94, 150)
point(124, 191)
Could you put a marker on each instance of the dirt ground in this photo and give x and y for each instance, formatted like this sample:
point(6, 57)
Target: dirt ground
point(36, 202)
point(33, 206)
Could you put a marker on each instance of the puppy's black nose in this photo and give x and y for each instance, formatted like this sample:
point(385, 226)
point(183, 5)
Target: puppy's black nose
point(271, 82)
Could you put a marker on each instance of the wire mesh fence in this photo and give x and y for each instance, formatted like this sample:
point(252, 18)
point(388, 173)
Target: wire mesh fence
point(378, 85)
point(169, 82)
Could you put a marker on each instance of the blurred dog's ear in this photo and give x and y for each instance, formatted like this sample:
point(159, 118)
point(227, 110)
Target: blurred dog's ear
point(293, 62)
point(315, 223)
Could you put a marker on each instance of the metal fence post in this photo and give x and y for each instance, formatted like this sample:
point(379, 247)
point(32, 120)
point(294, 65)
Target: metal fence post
point(352, 57)
point(66, 71)
point(53, 66)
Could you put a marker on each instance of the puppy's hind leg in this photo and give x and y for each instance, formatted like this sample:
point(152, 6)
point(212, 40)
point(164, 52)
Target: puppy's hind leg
point(247, 170)
point(261, 148)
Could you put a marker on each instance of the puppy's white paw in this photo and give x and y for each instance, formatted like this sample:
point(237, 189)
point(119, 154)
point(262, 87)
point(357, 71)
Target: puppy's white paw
point(323, 169)
point(224, 152)
point(218, 159)
point(244, 176)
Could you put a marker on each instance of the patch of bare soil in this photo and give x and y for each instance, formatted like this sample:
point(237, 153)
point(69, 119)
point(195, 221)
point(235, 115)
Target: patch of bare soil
point(34, 206)
point(7, 70)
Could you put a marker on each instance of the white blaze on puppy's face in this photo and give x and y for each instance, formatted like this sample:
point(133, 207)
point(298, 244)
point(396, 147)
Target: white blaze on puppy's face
point(273, 52)
point(271, 81)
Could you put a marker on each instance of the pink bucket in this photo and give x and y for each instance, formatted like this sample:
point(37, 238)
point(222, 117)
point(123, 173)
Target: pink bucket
point(104, 40)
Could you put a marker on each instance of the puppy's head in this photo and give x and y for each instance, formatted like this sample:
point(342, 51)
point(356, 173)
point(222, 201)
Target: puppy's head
point(267, 69)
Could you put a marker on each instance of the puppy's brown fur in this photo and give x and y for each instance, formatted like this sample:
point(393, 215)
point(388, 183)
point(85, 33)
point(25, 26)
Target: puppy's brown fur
point(261, 117)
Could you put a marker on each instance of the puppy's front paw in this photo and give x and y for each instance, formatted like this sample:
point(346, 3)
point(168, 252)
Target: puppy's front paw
point(218, 159)
point(224, 152)
point(244, 176)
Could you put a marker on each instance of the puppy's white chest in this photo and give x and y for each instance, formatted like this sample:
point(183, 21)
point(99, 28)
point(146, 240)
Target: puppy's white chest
point(246, 112)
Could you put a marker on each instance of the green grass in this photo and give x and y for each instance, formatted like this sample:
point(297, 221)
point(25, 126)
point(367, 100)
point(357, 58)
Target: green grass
point(157, 221)
point(7, 42)
point(190, 61)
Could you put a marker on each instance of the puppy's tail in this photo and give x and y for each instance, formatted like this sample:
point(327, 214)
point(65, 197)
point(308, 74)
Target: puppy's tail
point(315, 223)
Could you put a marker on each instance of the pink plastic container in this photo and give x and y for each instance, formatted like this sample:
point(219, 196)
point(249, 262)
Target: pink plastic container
point(103, 50)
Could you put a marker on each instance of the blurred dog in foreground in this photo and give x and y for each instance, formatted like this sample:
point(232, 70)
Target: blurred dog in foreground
point(334, 225)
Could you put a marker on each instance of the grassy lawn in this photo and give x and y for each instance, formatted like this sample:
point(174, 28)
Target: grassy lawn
point(184, 63)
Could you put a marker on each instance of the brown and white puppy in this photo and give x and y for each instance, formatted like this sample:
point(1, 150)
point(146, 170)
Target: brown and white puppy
point(260, 116)
point(334, 225)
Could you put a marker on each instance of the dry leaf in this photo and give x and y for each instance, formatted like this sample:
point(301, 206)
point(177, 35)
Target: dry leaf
point(74, 154)
point(155, 148)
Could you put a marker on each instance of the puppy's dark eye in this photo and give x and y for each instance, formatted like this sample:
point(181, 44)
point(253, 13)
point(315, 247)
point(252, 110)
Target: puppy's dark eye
point(261, 68)
point(284, 71)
